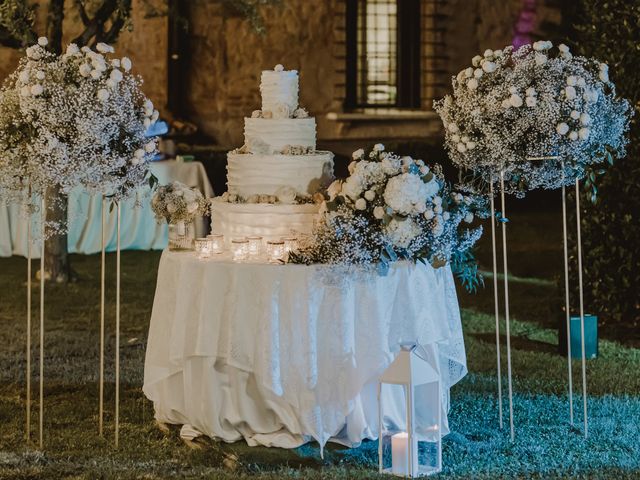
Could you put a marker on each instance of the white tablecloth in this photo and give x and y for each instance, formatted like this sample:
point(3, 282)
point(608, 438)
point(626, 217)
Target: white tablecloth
point(139, 229)
point(282, 354)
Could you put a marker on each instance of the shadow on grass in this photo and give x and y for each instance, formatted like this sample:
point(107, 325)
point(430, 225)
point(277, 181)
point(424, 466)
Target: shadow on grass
point(518, 343)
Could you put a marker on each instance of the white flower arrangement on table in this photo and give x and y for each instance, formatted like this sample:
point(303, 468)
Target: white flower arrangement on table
point(391, 208)
point(177, 203)
point(537, 101)
point(76, 119)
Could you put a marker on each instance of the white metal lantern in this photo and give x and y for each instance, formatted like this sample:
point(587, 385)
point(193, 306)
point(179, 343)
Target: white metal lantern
point(410, 438)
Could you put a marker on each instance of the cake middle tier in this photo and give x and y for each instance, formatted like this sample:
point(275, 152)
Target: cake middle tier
point(253, 174)
point(272, 135)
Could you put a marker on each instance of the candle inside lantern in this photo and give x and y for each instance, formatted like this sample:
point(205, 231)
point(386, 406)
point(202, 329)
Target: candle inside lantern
point(255, 245)
point(290, 244)
point(275, 250)
point(400, 454)
point(202, 248)
point(239, 248)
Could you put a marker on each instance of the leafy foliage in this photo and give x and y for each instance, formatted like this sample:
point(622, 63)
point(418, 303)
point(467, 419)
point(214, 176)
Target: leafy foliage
point(16, 22)
point(609, 29)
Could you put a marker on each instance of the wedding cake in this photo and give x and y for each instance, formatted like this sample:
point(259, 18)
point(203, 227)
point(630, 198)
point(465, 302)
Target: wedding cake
point(275, 180)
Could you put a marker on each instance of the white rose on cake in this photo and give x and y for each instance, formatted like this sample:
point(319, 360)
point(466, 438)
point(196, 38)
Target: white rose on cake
point(281, 110)
point(286, 195)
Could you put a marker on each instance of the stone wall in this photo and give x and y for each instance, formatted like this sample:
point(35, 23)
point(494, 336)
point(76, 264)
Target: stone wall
point(227, 57)
point(145, 43)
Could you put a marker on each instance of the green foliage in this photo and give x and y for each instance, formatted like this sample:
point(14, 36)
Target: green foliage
point(16, 23)
point(609, 30)
point(465, 266)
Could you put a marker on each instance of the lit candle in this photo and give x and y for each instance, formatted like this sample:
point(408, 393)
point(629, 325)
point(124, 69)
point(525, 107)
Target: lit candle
point(255, 245)
point(202, 247)
point(239, 249)
point(400, 454)
point(216, 243)
point(275, 250)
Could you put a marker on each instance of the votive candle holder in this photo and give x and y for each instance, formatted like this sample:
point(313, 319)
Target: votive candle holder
point(216, 243)
point(202, 248)
point(239, 249)
point(275, 250)
point(255, 245)
point(290, 244)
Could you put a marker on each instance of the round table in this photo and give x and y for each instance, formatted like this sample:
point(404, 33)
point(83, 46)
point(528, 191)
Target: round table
point(283, 354)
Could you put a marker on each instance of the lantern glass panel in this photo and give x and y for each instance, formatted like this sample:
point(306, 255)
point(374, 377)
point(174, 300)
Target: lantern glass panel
point(426, 455)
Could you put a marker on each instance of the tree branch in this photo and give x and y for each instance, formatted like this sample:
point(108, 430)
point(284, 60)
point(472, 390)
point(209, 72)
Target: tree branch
point(95, 27)
point(55, 19)
point(117, 23)
point(8, 40)
point(82, 12)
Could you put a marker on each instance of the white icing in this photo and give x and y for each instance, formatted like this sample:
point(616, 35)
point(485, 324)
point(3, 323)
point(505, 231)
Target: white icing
point(269, 135)
point(272, 222)
point(251, 174)
point(279, 88)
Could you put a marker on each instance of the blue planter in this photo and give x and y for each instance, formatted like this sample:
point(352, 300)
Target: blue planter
point(590, 335)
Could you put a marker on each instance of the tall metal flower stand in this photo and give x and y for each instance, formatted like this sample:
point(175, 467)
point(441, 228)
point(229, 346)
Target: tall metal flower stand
point(567, 305)
point(28, 373)
point(102, 324)
point(43, 206)
point(496, 306)
point(43, 217)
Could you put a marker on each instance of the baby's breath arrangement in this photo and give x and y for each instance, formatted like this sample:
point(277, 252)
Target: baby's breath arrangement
point(537, 101)
point(392, 208)
point(178, 203)
point(74, 120)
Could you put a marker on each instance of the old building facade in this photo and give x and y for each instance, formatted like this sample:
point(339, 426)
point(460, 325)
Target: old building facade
point(331, 44)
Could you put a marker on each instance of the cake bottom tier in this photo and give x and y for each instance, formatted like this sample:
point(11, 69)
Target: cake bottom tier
point(270, 221)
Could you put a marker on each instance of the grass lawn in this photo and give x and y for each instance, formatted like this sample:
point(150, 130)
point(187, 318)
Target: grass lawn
point(545, 447)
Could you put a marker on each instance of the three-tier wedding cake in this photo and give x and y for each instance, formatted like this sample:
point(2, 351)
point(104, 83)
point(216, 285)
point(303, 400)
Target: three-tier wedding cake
point(274, 180)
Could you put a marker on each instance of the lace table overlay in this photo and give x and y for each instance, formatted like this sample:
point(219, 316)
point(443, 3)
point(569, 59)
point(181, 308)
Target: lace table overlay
point(283, 354)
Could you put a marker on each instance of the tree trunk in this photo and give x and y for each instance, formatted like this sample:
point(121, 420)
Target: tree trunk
point(56, 262)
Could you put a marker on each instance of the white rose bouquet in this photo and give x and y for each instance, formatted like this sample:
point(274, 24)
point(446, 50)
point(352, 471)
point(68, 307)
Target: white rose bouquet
point(76, 119)
point(392, 208)
point(177, 203)
point(537, 101)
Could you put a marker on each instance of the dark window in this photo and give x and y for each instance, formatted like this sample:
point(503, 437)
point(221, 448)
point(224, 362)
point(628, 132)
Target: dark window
point(383, 53)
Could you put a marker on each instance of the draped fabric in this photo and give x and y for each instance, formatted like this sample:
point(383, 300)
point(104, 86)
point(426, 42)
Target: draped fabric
point(138, 227)
point(282, 354)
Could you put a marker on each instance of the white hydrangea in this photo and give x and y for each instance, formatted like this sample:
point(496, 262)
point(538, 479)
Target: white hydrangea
point(402, 232)
point(406, 194)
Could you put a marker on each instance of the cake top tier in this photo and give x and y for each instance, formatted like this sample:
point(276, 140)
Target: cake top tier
point(279, 89)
